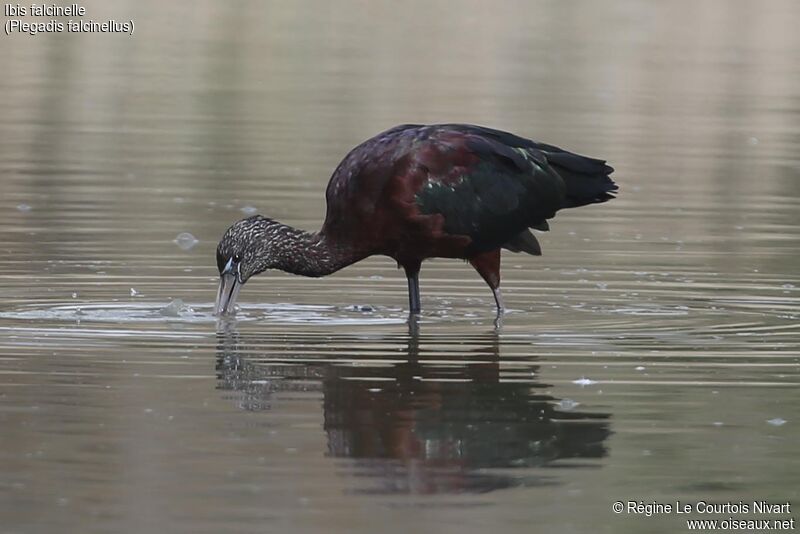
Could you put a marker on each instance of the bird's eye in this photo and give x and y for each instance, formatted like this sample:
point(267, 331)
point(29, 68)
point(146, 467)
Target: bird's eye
point(237, 258)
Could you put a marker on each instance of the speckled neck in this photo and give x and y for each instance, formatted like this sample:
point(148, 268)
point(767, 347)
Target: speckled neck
point(305, 253)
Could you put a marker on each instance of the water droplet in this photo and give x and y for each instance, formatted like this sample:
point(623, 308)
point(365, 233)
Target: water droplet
point(640, 368)
point(186, 241)
point(583, 381)
point(134, 292)
point(175, 309)
point(24, 207)
point(249, 210)
point(777, 421)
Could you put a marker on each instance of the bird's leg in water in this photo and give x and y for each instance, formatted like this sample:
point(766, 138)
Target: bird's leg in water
point(488, 266)
point(412, 274)
point(498, 299)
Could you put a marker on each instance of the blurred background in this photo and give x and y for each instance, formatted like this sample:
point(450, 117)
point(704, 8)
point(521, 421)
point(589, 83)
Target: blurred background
point(651, 353)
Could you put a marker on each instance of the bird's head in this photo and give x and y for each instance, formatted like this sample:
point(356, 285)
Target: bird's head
point(243, 251)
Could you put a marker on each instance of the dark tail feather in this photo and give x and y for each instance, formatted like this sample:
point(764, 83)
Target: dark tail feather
point(524, 241)
point(586, 178)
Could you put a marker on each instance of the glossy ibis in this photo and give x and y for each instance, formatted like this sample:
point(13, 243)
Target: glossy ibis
point(415, 192)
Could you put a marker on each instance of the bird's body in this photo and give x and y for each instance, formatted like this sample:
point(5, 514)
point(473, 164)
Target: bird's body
point(415, 192)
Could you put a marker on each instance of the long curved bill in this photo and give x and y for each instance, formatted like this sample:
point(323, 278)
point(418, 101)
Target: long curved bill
point(229, 286)
point(230, 282)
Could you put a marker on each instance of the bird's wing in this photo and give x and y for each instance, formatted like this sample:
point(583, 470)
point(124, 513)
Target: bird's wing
point(487, 188)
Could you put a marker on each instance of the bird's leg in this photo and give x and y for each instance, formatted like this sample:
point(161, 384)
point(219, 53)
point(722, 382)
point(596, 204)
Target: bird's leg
point(412, 274)
point(488, 266)
point(498, 299)
point(498, 321)
point(413, 326)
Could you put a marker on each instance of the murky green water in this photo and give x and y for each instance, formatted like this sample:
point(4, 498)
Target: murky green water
point(652, 353)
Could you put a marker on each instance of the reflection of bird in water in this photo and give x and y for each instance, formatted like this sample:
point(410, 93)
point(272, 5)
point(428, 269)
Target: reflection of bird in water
point(422, 426)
